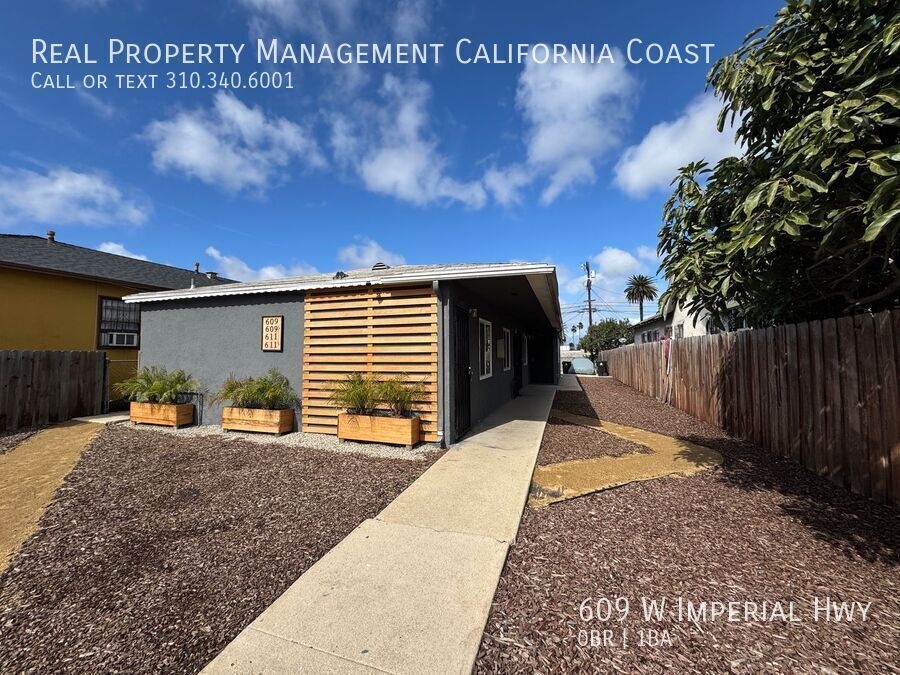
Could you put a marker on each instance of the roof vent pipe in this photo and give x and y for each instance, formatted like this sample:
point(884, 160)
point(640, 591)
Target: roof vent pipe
point(340, 275)
point(212, 275)
point(196, 268)
point(380, 266)
point(51, 236)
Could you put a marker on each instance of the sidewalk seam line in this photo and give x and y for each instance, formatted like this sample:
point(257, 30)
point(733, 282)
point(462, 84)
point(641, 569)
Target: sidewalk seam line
point(321, 651)
point(439, 531)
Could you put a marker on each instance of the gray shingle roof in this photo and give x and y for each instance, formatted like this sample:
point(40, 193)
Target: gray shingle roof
point(39, 253)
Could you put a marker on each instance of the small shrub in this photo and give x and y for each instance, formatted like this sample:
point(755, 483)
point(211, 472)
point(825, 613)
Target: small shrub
point(156, 385)
point(358, 394)
point(271, 391)
point(399, 395)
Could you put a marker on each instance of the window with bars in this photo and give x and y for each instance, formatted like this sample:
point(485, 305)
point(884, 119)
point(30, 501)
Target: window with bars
point(120, 324)
point(486, 347)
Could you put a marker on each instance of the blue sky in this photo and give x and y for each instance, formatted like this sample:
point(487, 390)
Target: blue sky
point(422, 163)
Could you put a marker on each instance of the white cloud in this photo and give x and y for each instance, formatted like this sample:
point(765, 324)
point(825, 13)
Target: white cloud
point(570, 284)
point(95, 103)
point(233, 267)
point(395, 154)
point(118, 249)
point(366, 252)
point(231, 146)
point(613, 263)
point(575, 114)
point(505, 184)
point(654, 162)
point(321, 18)
point(410, 19)
point(63, 196)
point(647, 253)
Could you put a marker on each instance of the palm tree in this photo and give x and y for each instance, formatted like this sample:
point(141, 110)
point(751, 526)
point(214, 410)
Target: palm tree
point(580, 328)
point(574, 330)
point(640, 287)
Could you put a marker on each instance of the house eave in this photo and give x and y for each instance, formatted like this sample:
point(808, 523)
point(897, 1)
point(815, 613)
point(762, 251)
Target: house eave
point(547, 291)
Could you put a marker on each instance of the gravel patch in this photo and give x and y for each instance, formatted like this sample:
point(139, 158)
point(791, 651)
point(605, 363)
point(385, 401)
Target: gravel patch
point(10, 439)
point(160, 548)
point(755, 529)
point(564, 441)
point(299, 439)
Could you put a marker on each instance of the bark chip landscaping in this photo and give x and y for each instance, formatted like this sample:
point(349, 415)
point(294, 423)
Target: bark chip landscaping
point(159, 549)
point(755, 529)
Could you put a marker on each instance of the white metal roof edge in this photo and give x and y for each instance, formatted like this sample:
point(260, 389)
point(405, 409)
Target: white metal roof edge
point(296, 285)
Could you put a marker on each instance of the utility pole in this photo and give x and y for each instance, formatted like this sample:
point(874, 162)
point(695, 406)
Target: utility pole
point(587, 270)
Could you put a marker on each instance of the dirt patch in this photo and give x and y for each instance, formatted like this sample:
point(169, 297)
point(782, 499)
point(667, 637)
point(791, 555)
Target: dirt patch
point(754, 529)
point(575, 478)
point(30, 475)
point(160, 549)
point(564, 441)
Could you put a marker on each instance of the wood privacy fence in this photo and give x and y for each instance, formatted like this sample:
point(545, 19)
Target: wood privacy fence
point(823, 393)
point(46, 387)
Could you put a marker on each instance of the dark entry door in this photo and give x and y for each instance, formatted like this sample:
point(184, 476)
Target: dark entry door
point(517, 363)
point(463, 391)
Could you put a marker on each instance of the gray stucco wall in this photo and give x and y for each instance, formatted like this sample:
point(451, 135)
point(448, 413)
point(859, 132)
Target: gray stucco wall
point(216, 337)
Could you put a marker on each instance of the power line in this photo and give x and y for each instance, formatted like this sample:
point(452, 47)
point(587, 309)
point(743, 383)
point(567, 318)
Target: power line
point(611, 309)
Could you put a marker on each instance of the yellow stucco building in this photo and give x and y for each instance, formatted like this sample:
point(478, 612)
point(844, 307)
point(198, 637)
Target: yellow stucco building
point(56, 296)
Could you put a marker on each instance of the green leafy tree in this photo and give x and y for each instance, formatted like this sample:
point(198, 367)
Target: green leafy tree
point(606, 334)
point(639, 289)
point(805, 224)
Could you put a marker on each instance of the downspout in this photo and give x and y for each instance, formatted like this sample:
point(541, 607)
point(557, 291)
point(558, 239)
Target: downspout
point(442, 365)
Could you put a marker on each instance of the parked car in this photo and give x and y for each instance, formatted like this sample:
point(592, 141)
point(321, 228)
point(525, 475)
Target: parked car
point(581, 366)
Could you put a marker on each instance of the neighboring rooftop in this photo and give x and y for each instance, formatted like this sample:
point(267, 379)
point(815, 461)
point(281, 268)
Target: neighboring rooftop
point(31, 252)
point(647, 321)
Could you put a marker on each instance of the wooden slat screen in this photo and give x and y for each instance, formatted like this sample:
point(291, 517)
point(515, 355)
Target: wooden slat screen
point(825, 394)
point(389, 331)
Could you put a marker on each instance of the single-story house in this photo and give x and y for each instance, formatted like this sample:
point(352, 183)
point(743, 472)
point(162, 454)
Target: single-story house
point(676, 322)
point(58, 296)
point(473, 334)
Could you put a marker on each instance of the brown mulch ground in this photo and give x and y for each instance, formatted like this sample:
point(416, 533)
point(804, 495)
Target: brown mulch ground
point(755, 529)
point(10, 439)
point(159, 549)
point(564, 441)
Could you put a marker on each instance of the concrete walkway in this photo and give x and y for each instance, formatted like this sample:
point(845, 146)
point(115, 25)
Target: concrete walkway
point(30, 474)
point(569, 382)
point(105, 418)
point(409, 591)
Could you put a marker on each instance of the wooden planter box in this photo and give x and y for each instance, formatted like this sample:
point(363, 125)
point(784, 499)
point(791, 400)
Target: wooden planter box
point(165, 414)
point(253, 419)
point(378, 428)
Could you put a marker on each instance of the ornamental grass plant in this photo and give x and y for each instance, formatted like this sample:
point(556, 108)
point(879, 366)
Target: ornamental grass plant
point(156, 385)
point(271, 391)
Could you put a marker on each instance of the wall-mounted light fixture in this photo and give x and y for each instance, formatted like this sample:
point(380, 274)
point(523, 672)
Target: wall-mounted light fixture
point(473, 312)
